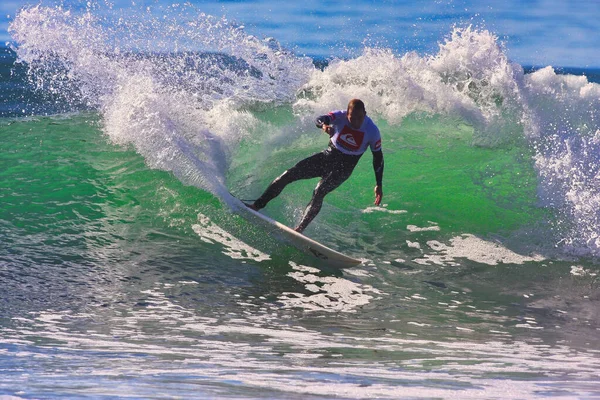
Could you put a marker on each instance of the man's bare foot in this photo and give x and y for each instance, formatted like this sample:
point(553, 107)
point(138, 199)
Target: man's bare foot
point(251, 206)
point(298, 229)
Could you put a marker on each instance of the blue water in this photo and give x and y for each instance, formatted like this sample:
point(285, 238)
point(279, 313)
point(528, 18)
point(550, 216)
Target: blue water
point(541, 33)
point(125, 273)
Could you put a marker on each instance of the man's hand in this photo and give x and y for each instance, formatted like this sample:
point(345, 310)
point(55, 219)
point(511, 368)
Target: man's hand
point(328, 129)
point(378, 195)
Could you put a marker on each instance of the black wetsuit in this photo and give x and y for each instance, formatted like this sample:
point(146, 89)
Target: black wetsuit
point(333, 166)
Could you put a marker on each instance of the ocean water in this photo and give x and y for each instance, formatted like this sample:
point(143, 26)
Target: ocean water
point(125, 273)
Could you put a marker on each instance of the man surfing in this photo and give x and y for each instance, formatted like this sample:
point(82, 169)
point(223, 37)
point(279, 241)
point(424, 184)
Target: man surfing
point(351, 132)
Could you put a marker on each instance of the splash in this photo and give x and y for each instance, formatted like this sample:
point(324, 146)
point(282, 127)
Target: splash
point(564, 130)
point(470, 78)
point(172, 82)
point(179, 86)
point(211, 233)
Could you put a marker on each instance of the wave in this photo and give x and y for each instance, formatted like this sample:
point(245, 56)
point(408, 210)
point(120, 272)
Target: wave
point(185, 89)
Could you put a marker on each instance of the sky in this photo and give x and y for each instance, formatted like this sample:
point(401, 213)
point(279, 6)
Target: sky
point(561, 33)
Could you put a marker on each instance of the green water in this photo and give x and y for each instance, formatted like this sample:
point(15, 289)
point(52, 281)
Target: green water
point(432, 171)
point(63, 174)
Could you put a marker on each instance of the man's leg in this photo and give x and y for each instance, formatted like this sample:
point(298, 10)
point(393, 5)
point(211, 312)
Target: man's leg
point(310, 167)
point(325, 185)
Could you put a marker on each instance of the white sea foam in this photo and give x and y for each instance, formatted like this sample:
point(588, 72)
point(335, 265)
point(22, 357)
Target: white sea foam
point(578, 270)
point(414, 228)
point(383, 209)
point(328, 294)
point(465, 79)
point(211, 233)
point(475, 249)
point(179, 341)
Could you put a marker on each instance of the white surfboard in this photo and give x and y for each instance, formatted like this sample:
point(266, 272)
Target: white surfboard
point(298, 240)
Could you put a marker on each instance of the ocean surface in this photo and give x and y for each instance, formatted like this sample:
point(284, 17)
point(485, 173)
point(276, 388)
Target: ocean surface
point(125, 272)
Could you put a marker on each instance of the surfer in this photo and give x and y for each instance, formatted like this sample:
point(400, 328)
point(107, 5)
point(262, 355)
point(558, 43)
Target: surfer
point(351, 132)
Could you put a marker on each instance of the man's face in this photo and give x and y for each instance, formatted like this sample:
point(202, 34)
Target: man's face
point(356, 117)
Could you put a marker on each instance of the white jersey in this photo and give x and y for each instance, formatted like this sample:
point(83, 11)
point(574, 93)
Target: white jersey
point(354, 141)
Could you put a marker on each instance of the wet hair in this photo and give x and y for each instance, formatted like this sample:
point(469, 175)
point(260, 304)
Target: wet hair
point(356, 104)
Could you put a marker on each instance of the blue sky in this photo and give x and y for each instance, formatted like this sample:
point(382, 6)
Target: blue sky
point(561, 33)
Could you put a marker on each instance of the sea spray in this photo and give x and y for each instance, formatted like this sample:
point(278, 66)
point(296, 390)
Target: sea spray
point(469, 78)
point(182, 88)
point(175, 85)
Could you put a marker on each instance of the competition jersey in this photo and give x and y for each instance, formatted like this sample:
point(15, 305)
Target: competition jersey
point(354, 141)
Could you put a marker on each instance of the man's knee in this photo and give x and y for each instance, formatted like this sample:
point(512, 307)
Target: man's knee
point(283, 178)
point(322, 189)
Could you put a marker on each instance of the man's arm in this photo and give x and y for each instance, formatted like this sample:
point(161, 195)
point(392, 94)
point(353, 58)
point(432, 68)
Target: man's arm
point(378, 168)
point(323, 120)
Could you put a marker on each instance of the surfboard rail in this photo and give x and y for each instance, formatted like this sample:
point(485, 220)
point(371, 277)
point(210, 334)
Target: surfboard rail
point(298, 240)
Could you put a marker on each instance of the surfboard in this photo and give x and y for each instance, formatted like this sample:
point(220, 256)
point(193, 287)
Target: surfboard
point(298, 240)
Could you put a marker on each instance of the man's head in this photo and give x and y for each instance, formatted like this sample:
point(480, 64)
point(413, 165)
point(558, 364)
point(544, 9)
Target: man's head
point(356, 113)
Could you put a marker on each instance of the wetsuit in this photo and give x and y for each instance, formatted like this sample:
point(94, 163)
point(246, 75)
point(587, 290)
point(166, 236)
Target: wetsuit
point(334, 164)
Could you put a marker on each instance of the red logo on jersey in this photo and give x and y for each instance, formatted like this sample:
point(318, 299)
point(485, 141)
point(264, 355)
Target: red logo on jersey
point(350, 139)
point(378, 144)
